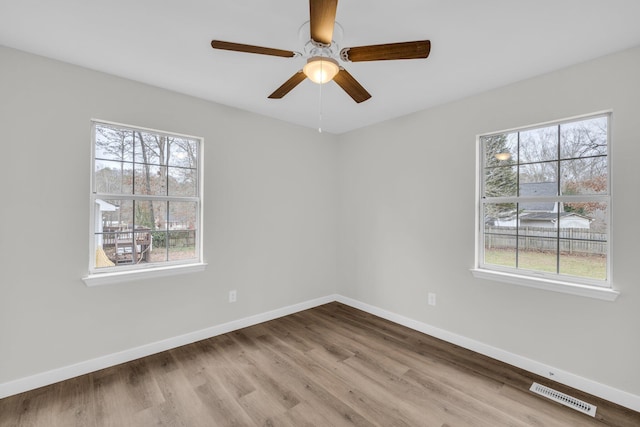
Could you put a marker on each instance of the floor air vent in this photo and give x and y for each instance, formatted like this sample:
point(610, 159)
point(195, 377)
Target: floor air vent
point(565, 399)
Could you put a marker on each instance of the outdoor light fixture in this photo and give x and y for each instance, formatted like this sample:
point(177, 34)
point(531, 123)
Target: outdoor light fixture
point(320, 69)
point(503, 156)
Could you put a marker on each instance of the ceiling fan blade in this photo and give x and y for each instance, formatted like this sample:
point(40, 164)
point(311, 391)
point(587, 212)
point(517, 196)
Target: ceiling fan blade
point(322, 16)
point(351, 86)
point(287, 86)
point(238, 47)
point(381, 52)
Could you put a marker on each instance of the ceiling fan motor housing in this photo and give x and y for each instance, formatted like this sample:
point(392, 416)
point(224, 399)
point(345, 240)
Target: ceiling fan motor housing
point(313, 49)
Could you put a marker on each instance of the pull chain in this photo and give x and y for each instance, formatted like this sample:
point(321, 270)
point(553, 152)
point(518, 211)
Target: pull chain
point(320, 106)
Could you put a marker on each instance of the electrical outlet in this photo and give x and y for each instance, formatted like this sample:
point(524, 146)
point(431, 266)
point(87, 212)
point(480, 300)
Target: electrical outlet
point(233, 296)
point(431, 298)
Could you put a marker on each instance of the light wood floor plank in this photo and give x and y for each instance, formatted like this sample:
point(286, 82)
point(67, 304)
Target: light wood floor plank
point(329, 366)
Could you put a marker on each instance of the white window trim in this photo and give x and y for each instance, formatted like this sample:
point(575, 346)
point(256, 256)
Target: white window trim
point(598, 292)
point(115, 277)
point(533, 279)
point(99, 277)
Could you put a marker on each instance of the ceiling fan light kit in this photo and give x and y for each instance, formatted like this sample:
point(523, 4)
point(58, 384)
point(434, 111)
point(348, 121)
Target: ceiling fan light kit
point(322, 57)
point(320, 69)
point(503, 156)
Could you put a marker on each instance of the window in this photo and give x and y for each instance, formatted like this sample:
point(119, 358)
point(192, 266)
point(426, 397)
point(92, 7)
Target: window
point(146, 201)
point(544, 208)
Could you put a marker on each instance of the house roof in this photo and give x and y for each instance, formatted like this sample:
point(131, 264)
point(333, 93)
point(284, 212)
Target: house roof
point(530, 189)
point(106, 206)
point(549, 216)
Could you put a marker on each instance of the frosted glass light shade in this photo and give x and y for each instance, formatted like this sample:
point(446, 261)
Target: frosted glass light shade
point(320, 69)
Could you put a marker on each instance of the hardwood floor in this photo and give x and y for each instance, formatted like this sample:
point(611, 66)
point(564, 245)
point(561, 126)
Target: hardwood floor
point(329, 366)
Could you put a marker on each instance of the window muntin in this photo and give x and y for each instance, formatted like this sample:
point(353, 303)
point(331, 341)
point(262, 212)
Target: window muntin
point(545, 201)
point(146, 204)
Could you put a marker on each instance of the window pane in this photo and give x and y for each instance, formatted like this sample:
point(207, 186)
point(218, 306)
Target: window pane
point(500, 234)
point(593, 216)
point(115, 214)
point(116, 241)
point(182, 234)
point(537, 253)
point(151, 180)
point(539, 145)
point(182, 182)
point(583, 253)
point(113, 177)
point(113, 143)
point(583, 245)
point(145, 214)
point(500, 150)
point(182, 245)
point(587, 266)
point(584, 138)
point(182, 215)
point(183, 153)
point(537, 173)
point(150, 148)
point(584, 176)
point(125, 238)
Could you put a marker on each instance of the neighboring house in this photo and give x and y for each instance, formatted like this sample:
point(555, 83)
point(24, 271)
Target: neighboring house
point(546, 220)
point(543, 214)
point(174, 223)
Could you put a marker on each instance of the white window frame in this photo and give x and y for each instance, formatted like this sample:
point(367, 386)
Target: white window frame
point(599, 289)
point(118, 274)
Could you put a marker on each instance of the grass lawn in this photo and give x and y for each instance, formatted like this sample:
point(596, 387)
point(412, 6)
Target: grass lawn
point(593, 267)
point(175, 253)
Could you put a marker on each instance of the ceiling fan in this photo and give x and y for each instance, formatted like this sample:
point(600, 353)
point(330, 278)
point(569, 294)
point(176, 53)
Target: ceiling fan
point(321, 50)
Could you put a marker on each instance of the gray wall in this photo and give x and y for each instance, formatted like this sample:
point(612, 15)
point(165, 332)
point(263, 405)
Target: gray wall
point(269, 226)
point(407, 205)
point(382, 215)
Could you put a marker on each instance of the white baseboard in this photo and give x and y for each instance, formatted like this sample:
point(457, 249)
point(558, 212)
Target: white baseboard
point(50, 377)
point(611, 394)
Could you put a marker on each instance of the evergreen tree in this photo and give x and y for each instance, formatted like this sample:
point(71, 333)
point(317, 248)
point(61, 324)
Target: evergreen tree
point(500, 178)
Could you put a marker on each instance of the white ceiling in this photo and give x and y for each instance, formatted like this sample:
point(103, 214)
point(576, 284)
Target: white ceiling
point(477, 45)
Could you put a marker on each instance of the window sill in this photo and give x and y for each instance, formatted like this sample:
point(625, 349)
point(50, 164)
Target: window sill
point(99, 279)
point(597, 292)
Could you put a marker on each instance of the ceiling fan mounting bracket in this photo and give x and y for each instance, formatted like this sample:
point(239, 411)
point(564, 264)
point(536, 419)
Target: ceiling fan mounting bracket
point(344, 54)
point(313, 48)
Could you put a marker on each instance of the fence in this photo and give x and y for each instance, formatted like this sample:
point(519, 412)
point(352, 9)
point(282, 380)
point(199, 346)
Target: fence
point(176, 238)
point(577, 241)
